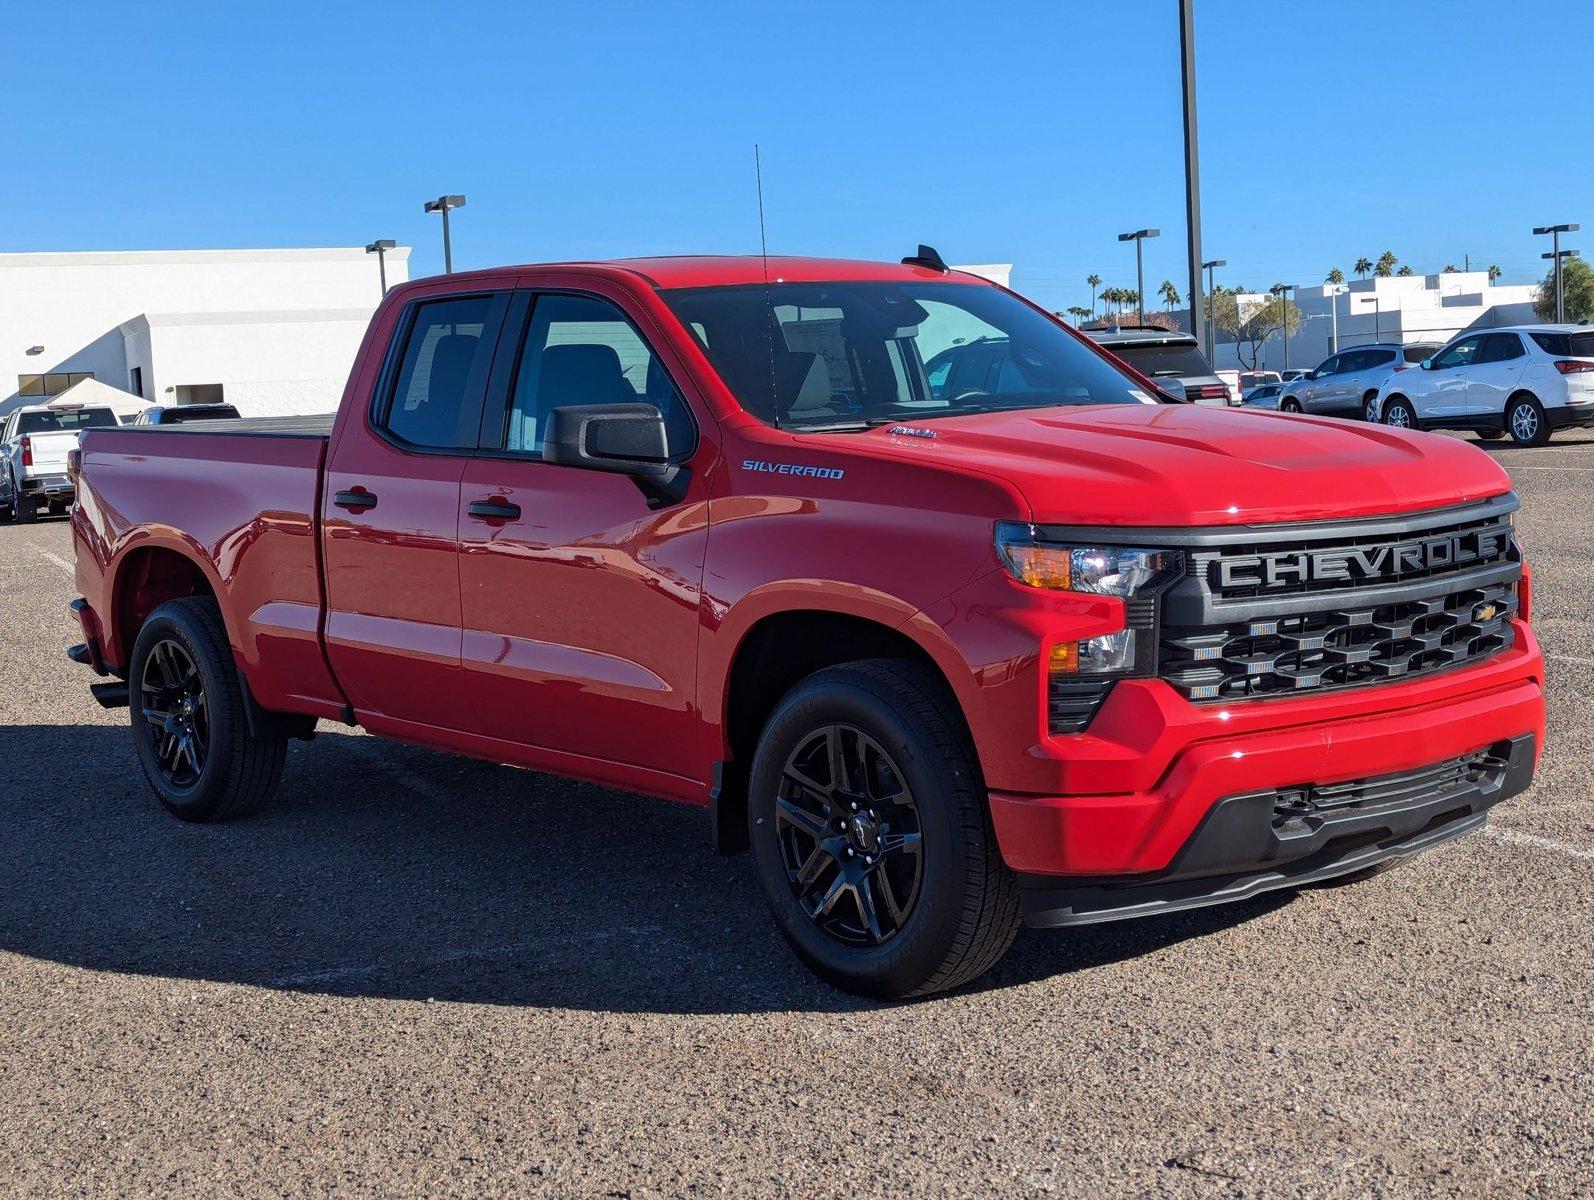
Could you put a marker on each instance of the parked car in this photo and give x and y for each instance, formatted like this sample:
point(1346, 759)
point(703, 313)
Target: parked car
point(1347, 384)
point(1172, 358)
point(33, 449)
point(1251, 379)
point(1293, 374)
point(181, 414)
point(1048, 651)
point(1264, 395)
point(1526, 381)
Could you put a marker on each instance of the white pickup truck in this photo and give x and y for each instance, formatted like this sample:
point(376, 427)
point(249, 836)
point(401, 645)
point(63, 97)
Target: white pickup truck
point(33, 452)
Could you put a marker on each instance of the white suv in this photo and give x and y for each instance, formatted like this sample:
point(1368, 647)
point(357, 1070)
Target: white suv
point(1346, 384)
point(1526, 381)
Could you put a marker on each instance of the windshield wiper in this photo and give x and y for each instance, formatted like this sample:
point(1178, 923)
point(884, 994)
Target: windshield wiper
point(911, 418)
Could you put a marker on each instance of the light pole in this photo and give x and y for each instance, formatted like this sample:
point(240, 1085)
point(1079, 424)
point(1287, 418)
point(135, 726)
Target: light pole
point(380, 247)
point(442, 204)
point(1192, 173)
point(1282, 291)
point(1212, 316)
point(1334, 291)
point(1555, 232)
point(1138, 237)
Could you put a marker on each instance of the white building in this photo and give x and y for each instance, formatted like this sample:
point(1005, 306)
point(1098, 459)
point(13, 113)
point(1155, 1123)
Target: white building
point(271, 331)
point(1413, 308)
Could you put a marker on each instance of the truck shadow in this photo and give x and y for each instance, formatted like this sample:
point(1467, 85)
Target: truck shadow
point(384, 870)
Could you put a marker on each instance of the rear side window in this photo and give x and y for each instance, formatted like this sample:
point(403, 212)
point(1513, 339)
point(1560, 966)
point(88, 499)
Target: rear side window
point(580, 350)
point(1566, 345)
point(1377, 358)
point(436, 398)
point(1416, 354)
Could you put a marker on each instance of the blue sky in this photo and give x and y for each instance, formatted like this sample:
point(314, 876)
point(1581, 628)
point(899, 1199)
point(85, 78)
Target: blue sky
point(1029, 133)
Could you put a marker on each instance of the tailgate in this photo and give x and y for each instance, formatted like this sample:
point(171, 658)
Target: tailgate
point(48, 451)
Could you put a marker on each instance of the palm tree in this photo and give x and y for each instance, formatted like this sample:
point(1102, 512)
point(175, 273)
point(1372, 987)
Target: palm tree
point(1336, 277)
point(1080, 313)
point(1385, 267)
point(1449, 269)
point(1405, 271)
point(1095, 282)
point(1362, 267)
point(1495, 273)
point(1169, 293)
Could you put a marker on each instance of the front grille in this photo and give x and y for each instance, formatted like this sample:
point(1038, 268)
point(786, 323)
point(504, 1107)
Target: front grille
point(1293, 611)
point(1481, 767)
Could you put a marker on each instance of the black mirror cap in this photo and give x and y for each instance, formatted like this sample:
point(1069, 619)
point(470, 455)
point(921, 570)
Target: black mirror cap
point(628, 439)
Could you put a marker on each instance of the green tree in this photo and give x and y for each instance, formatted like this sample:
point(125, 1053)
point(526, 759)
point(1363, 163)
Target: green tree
point(1577, 284)
point(1405, 271)
point(1385, 266)
point(1495, 273)
point(1449, 269)
point(1336, 277)
point(1362, 267)
point(1251, 324)
point(1169, 293)
point(1080, 313)
point(1095, 282)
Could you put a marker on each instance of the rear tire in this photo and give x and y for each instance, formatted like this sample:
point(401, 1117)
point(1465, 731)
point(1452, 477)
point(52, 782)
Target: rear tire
point(1489, 435)
point(1368, 414)
point(944, 905)
point(1526, 422)
point(188, 717)
point(27, 509)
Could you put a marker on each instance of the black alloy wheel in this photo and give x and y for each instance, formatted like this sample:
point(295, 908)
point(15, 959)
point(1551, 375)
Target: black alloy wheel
point(849, 836)
point(176, 717)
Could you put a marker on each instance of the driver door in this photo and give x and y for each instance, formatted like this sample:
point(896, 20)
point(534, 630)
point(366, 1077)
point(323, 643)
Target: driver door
point(1445, 390)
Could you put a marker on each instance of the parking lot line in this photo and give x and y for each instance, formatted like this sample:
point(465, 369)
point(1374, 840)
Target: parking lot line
point(65, 564)
point(1571, 658)
point(1516, 838)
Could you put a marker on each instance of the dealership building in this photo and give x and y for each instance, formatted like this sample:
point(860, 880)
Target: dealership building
point(268, 331)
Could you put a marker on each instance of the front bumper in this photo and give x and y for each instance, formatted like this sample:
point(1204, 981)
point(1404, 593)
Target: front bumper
point(1262, 841)
point(1138, 786)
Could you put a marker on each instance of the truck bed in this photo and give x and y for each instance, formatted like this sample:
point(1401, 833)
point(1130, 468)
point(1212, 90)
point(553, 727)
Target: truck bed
point(316, 426)
point(241, 497)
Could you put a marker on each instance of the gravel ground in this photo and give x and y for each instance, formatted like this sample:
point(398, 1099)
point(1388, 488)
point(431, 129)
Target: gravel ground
point(422, 975)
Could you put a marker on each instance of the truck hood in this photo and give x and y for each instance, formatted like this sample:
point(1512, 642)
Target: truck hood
point(1137, 464)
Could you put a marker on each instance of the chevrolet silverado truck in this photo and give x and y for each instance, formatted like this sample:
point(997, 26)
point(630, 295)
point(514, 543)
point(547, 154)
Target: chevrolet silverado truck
point(34, 442)
point(1043, 649)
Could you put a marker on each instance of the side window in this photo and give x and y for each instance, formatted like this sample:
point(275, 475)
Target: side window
point(582, 350)
point(1459, 355)
point(970, 369)
point(1350, 363)
point(1501, 347)
point(1377, 358)
point(938, 376)
point(436, 400)
point(1330, 367)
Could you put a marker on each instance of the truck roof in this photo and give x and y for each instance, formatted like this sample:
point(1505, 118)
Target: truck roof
point(720, 270)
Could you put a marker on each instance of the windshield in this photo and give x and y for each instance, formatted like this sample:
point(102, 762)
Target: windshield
point(850, 354)
point(1163, 361)
point(64, 418)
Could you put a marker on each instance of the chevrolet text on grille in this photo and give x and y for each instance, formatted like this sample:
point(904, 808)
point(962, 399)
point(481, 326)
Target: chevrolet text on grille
point(1303, 566)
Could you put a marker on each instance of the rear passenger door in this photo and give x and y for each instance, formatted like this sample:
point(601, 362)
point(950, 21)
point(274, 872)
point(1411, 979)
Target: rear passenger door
point(391, 517)
point(1371, 368)
point(1495, 374)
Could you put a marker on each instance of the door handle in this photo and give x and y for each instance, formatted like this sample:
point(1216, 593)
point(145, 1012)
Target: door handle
point(357, 498)
point(493, 510)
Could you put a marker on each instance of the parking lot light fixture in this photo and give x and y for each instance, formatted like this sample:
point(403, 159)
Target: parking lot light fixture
point(1212, 317)
point(380, 247)
point(1138, 237)
point(442, 205)
point(1555, 232)
point(1334, 291)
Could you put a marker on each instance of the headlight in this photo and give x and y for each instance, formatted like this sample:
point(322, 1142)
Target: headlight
point(1131, 573)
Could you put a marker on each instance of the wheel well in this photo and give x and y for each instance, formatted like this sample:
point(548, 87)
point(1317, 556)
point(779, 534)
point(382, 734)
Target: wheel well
point(1523, 394)
point(1369, 395)
point(148, 579)
point(774, 655)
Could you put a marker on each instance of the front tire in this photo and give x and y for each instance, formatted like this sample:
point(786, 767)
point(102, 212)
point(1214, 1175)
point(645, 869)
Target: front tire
point(1290, 405)
point(1525, 421)
point(1398, 414)
point(189, 724)
point(869, 825)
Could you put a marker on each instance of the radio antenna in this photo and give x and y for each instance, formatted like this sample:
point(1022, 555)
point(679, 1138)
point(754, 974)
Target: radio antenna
point(769, 303)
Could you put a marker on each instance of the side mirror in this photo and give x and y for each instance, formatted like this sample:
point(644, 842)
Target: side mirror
point(626, 439)
point(1426, 364)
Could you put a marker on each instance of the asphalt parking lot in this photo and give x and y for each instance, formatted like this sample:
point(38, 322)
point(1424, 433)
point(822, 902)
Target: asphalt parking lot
point(418, 974)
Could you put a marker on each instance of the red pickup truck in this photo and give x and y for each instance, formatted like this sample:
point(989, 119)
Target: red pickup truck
point(1012, 638)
